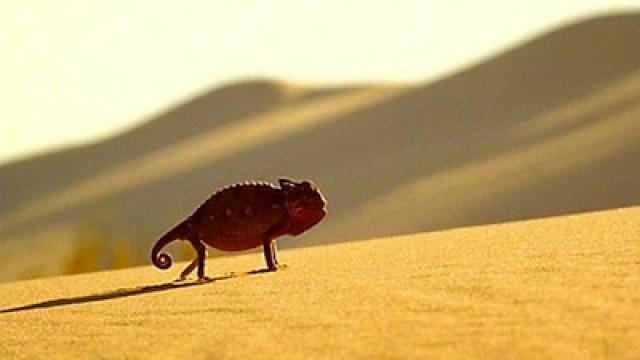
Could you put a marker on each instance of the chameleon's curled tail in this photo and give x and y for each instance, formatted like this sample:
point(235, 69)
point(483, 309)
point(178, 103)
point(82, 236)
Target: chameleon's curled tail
point(163, 260)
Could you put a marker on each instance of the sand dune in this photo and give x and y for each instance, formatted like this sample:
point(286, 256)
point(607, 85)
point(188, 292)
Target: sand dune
point(557, 288)
point(189, 154)
point(547, 128)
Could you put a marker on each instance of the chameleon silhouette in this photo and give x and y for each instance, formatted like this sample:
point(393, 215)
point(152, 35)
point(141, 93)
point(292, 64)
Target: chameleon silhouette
point(245, 216)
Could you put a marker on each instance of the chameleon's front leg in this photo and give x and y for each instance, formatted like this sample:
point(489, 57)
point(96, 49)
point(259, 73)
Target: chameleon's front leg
point(269, 254)
point(274, 253)
point(269, 244)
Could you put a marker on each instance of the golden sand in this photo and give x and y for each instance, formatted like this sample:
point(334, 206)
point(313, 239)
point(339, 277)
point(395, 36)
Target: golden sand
point(563, 288)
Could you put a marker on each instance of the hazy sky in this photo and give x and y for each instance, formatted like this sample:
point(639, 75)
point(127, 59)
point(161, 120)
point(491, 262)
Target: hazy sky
point(75, 70)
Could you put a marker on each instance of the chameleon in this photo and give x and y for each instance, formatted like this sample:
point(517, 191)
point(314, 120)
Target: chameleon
point(244, 216)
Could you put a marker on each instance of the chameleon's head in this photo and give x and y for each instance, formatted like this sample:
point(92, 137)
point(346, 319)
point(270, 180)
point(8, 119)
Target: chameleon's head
point(304, 202)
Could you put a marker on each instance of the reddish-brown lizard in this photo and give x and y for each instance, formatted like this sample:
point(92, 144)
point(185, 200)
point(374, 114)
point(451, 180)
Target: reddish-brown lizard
point(245, 216)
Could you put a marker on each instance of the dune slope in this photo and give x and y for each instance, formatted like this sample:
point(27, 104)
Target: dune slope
point(547, 128)
point(564, 287)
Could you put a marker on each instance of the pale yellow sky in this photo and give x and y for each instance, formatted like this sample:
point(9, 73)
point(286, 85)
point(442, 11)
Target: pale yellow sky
point(74, 71)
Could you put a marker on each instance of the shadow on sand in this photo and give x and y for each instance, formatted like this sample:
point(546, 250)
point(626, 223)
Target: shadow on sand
point(126, 292)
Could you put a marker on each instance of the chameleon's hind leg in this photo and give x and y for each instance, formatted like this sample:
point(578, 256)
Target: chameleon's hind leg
point(202, 254)
point(189, 269)
point(198, 261)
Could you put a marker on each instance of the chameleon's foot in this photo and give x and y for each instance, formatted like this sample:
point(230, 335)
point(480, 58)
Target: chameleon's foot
point(185, 278)
point(204, 279)
point(276, 267)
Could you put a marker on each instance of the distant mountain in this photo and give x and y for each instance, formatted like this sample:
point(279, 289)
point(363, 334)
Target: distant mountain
point(550, 127)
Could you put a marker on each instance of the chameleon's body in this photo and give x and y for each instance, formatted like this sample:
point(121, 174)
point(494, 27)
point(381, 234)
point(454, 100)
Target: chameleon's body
point(245, 216)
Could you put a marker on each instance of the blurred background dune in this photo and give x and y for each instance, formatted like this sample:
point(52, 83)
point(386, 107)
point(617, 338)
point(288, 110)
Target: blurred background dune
point(548, 127)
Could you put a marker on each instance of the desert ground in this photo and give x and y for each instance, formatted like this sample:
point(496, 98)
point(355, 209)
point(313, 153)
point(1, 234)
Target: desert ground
point(558, 288)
